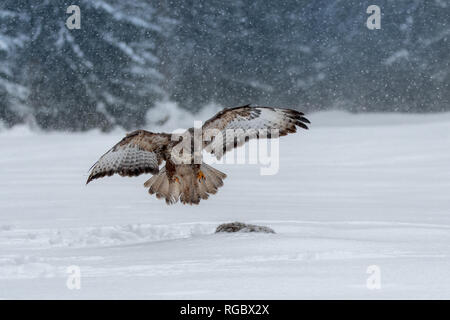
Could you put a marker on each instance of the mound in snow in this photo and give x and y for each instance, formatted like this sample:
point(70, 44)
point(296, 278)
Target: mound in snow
point(242, 227)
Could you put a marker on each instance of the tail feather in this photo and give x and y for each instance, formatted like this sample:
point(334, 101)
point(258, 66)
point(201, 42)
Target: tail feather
point(154, 182)
point(186, 187)
point(189, 188)
point(213, 179)
point(202, 190)
point(163, 190)
point(174, 193)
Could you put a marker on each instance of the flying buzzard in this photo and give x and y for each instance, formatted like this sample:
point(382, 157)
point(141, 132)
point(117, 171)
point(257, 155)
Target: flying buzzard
point(187, 178)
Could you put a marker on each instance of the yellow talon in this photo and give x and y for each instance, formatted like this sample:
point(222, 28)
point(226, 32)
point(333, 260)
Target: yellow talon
point(200, 176)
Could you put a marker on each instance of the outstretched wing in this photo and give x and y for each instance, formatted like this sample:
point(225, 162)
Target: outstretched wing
point(139, 152)
point(238, 125)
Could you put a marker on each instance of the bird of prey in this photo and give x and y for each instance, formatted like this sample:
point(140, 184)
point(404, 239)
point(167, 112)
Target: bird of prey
point(185, 177)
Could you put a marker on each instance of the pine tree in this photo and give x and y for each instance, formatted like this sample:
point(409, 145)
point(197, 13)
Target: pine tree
point(12, 94)
point(101, 75)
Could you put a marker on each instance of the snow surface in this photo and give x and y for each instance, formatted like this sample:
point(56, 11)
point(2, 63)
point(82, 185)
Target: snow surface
point(354, 191)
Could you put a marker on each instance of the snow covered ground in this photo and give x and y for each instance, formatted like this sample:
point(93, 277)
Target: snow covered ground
point(352, 192)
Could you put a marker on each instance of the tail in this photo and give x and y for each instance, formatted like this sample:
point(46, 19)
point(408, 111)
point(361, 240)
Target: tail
point(190, 184)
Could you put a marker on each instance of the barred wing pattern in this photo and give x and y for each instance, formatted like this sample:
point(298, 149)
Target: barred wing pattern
point(238, 125)
point(139, 152)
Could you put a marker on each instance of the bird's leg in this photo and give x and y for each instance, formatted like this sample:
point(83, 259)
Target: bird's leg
point(174, 179)
point(200, 176)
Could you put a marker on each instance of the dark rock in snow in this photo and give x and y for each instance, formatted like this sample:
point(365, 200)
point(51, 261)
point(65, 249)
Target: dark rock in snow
point(242, 227)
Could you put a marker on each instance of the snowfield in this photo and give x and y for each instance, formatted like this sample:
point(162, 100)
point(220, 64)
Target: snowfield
point(352, 192)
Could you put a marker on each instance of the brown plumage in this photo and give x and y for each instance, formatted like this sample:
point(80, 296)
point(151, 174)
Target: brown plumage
point(183, 178)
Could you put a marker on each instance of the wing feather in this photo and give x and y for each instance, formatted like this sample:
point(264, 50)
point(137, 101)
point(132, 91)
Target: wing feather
point(139, 152)
point(238, 125)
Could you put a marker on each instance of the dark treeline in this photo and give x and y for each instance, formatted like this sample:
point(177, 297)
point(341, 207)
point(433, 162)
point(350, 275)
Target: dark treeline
point(127, 55)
